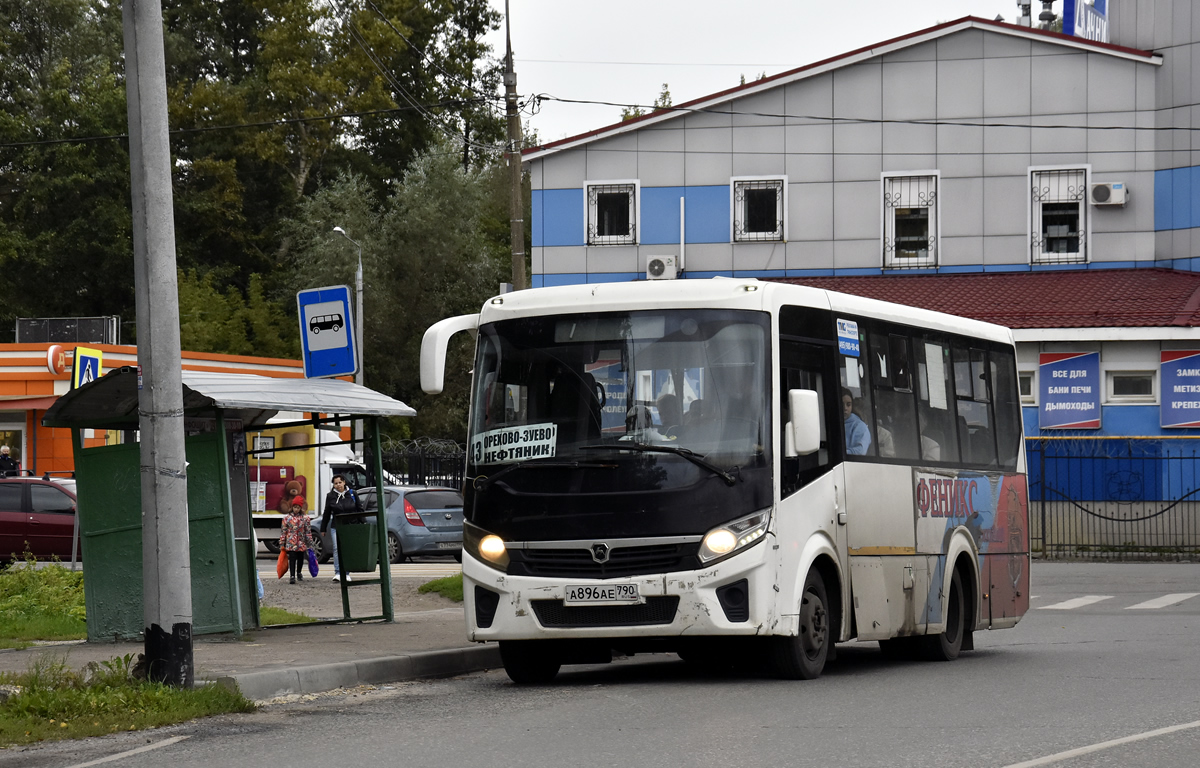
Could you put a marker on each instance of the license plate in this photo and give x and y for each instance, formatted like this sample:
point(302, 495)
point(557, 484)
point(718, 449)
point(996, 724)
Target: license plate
point(600, 594)
point(449, 545)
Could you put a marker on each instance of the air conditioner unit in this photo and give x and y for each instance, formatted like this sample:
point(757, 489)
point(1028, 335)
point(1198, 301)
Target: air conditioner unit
point(1108, 193)
point(660, 268)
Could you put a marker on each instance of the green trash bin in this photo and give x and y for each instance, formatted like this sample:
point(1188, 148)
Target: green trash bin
point(358, 546)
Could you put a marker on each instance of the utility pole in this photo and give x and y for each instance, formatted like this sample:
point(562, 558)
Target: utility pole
point(516, 208)
point(166, 557)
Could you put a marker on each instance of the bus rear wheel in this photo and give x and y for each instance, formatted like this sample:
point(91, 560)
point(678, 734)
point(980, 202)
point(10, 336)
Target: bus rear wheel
point(528, 662)
point(803, 657)
point(947, 645)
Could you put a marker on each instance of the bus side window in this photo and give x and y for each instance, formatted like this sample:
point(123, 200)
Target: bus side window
point(1007, 402)
point(896, 433)
point(935, 401)
point(801, 367)
point(976, 437)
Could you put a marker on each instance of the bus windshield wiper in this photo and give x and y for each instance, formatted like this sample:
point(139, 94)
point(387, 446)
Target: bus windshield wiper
point(686, 453)
point(483, 481)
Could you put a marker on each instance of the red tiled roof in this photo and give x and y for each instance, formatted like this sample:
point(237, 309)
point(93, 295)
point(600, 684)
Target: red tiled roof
point(1105, 298)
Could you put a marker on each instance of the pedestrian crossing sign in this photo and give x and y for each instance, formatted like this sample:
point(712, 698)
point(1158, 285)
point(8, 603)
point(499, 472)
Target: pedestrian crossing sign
point(87, 366)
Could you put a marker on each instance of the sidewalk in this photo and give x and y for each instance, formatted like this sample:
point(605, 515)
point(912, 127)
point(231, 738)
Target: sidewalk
point(427, 639)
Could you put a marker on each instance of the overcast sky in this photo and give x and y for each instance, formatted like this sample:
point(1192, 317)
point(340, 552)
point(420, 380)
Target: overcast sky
point(623, 51)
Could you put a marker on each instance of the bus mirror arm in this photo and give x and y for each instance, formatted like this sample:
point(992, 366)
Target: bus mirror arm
point(433, 350)
point(802, 434)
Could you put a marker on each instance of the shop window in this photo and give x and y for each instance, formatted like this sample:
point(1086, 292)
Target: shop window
point(758, 210)
point(612, 213)
point(1025, 382)
point(1131, 387)
point(1058, 206)
point(910, 221)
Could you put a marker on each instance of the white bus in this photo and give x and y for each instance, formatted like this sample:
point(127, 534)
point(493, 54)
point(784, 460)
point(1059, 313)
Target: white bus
point(735, 470)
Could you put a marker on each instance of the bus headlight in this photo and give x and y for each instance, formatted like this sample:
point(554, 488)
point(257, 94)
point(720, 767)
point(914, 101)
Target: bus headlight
point(731, 537)
point(485, 547)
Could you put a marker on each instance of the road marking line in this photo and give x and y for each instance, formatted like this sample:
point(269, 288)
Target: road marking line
point(147, 748)
point(1077, 602)
point(1164, 601)
point(1048, 759)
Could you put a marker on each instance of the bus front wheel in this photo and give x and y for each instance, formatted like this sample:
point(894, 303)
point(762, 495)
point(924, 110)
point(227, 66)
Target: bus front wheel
point(803, 657)
point(528, 662)
point(946, 645)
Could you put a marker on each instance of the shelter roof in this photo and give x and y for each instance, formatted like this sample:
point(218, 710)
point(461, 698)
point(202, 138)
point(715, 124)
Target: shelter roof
point(112, 400)
point(713, 101)
point(1100, 298)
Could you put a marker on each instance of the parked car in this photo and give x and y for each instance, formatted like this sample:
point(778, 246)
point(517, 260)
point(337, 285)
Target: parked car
point(37, 516)
point(421, 520)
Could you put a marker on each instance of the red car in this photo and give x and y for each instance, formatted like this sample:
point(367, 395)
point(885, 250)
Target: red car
point(35, 515)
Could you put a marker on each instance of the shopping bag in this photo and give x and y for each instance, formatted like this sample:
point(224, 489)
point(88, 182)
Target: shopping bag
point(281, 566)
point(313, 568)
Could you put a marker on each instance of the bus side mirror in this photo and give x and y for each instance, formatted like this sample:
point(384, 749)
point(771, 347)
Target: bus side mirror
point(433, 349)
point(803, 433)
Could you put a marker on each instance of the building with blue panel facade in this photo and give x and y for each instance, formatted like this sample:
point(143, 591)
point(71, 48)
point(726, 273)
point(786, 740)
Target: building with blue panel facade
point(974, 149)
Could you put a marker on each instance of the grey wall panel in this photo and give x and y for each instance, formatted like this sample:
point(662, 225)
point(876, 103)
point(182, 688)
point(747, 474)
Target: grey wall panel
point(1181, 75)
point(1059, 84)
point(537, 260)
point(565, 170)
point(1145, 77)
point(714, 117)
point(1181, 244)
point(1108, 219)
point(763, 109)
point(967, 44)
point(960, 205)
point(709, 257)
point(759, 139)
point(758, 256)
point(910, 90)
point(711, 139)
point(1113, 246)
point(1181, 23)
point(961, 251)
point(813, 254)
point(809, 165)
point(1163, 242)
point(960, 139)
point(857, 138)
point(661, 169)
point(1004, 165)
point(1112, 164)
point(564, 260)
point(1060, 139)
point(1009, 139)
point(857, 208)
point(904, 163)
point(605, 164)
point(857, 91)
point(959, 89)
point(923, 52)
point(535, 173)
point(812, 97)
point(857, 254)
point(1006, 206)
point(662, 139)
point(909, 139)
point(1143, 246)
point(614, 258)
point(1145, 25)
point(1004, 47)
point(1005, 249)
point(956, 166)
point(758, 164)
point(864, 167)
point(1142, 202)
point(705, 168)
point(1111, 131)
point(810, 212)
point(1006, 87)
point(1144, 141)
point(1111, 84)
point(1043, 159)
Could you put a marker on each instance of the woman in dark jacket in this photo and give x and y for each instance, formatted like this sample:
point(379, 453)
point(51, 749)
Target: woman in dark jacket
point(342, 500)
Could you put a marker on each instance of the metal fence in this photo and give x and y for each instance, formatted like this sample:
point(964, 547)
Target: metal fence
point(1114, 498)
point(425, 461)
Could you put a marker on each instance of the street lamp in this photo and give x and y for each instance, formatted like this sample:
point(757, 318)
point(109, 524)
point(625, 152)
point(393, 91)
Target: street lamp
point(358, 329)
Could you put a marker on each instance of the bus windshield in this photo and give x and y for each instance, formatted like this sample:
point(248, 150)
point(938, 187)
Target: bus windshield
point(625, 402)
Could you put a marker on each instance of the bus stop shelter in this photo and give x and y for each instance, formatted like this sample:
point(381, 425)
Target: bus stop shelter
point(219, 408)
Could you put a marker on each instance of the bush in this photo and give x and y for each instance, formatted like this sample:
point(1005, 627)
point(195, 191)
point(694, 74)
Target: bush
point(41, 603)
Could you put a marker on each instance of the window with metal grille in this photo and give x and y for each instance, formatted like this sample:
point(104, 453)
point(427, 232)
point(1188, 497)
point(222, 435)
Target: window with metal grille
point(612, 214)
point(1058, 216)
point(758, 210)
point(910, 211)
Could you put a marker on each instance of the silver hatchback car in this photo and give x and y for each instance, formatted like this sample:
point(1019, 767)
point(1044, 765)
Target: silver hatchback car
point(421, 520)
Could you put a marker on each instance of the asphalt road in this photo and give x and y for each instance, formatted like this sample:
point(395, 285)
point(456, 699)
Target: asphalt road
point(1075, 675)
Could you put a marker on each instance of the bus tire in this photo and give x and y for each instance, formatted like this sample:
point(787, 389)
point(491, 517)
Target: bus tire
point(946, 645)
point(803, 656)
point(528, 662)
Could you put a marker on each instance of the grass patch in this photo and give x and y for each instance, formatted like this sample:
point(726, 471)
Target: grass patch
point(268, 615)
point(40, 604)
point(449, 586)
point(51, 702)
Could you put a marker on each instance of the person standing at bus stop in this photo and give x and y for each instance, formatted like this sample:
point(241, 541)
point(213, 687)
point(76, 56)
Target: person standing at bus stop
point(295, 537)
point(340, 501)
point(8, 465)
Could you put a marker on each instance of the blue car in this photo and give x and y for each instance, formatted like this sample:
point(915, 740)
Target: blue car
point(421, 520)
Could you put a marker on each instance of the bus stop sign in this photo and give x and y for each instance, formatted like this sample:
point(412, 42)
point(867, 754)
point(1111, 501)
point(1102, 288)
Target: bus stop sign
point(326, 332)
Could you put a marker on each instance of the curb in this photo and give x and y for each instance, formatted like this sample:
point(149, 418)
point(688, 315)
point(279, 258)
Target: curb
point(268, 684)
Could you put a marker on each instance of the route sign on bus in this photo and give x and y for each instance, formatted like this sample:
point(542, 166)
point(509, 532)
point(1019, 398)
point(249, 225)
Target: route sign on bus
point(326, 324)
